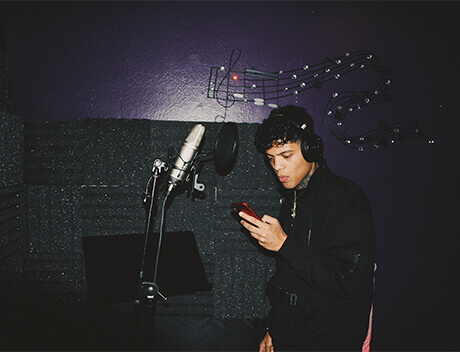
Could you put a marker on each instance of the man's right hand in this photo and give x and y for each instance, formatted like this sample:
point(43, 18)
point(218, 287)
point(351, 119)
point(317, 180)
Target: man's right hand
point(266, 345)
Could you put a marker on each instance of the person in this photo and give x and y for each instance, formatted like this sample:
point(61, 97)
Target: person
point(323, 241)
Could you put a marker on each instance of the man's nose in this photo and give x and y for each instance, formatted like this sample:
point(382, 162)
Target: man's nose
point(277, 164)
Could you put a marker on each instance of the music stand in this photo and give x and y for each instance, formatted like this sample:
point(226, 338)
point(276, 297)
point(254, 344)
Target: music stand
point(112, 266)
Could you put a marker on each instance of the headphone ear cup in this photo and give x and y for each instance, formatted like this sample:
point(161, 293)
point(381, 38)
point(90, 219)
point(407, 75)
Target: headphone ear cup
point(312, 147)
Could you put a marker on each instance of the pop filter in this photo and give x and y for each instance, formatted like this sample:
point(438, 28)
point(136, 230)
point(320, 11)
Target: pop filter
point(226, 149)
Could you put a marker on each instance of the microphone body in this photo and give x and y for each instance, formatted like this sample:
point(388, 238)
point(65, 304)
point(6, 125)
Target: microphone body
point(186, 156)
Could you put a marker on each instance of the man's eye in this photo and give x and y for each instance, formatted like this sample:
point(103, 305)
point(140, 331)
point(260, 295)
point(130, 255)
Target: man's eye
point(287, 156)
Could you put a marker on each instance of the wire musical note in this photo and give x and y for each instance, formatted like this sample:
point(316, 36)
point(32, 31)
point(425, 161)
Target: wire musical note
point(262, 88)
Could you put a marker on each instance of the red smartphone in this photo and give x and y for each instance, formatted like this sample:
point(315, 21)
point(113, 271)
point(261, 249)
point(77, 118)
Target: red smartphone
point(244, 207)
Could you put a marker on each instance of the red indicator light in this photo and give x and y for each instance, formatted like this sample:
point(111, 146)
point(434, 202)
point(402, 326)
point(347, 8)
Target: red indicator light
point(235, 77)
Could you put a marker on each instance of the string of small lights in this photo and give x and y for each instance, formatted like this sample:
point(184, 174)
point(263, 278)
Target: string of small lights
point(228, 86)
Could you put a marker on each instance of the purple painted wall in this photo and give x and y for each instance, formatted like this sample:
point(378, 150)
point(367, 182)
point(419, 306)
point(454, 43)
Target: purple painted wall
point(151, 60)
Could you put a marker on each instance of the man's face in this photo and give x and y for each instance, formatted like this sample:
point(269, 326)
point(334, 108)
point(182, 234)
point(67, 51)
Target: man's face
point(288, 163)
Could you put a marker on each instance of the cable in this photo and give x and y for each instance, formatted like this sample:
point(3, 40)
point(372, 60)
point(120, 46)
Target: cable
point(147, 231)
point(161, 235)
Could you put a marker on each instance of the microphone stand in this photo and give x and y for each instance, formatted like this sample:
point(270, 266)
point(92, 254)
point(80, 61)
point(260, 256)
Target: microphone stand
point(149, 290)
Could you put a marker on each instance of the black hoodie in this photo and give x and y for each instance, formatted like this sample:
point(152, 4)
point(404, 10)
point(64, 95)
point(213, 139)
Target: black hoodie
point(322, 290)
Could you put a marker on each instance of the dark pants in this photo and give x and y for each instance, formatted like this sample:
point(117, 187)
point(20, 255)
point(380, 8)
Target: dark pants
point(282, 346)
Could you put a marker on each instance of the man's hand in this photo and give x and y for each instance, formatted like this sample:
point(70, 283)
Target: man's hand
point(267, 232)
point(266, 345)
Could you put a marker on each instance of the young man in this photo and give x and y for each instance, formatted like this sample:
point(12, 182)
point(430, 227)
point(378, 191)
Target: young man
point(321, 292)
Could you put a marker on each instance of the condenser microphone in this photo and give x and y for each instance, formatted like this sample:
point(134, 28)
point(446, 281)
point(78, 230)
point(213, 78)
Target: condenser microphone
point(186, 156)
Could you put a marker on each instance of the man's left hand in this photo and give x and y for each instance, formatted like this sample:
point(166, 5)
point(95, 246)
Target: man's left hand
point(267, 232)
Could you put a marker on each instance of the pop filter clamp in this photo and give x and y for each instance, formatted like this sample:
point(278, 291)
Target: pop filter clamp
point(193, 175)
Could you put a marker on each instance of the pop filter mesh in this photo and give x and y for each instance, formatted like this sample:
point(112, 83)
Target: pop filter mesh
point(226, 149)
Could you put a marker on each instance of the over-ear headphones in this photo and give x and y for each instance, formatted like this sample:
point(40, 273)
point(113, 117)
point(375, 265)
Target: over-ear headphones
point(311, 145)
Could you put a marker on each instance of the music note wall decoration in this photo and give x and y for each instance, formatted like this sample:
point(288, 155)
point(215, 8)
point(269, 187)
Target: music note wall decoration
point(228, 86)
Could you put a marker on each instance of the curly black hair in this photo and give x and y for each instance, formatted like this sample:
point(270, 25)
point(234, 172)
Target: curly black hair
point(282, 125)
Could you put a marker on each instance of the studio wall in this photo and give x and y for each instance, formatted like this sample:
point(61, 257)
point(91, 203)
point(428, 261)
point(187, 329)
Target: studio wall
point(93, 92)
point(93, 185)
